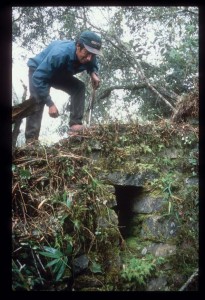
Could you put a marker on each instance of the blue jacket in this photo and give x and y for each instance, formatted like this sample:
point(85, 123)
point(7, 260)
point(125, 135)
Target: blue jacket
point(59, 54)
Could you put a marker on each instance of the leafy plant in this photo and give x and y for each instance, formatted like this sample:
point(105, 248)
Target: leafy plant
point(145, 148)
point(137, 270)
point(96, 268)
point(25, 174)
point(23, 277)
point(59, 262)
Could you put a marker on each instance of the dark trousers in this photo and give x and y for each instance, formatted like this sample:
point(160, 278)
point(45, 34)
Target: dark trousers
point(67, 83)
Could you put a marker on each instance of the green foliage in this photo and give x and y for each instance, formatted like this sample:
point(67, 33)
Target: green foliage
point(25, 174)
point(23, 277)
point(96, 267)
point(145, 148)
point(59, 262)
point(137, 270)
point(78, 218)
point(33, 267)
point(165, 183)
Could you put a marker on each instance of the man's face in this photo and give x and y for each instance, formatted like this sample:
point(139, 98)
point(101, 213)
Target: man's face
point(83, 55)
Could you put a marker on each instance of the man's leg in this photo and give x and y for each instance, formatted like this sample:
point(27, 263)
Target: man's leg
point(33, 125)
point(76, 89)
point(33, 122)
point(77, 102)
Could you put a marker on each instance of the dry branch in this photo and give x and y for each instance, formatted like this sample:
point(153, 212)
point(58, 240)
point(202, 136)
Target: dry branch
point(15, 133)
point(24, 109)
point(126, 51)
point(187, 106)
point(191, 278)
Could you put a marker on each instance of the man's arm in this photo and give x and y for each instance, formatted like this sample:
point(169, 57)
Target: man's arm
point(95, 80)
point(93, 71)
point(43, 74)
point(41, 81)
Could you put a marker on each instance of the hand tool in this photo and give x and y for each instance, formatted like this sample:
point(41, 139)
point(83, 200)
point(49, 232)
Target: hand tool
point(91, 104)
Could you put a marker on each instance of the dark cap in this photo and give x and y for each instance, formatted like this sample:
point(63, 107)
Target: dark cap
point(91, 41)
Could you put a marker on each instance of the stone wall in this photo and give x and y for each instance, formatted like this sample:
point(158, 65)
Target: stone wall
point(123, 197)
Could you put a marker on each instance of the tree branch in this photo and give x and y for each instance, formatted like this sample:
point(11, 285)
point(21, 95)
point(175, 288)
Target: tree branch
point(141, 72)
point(15, 133)
point(189, 280)
point(105, 93)
point(24, 109)
point(123, 48)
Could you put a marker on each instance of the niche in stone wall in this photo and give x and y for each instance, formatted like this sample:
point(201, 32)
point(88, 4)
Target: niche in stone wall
point(126, 196)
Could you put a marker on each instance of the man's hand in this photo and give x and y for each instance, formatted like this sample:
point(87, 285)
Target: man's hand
point(95, 80)
point(53, 111)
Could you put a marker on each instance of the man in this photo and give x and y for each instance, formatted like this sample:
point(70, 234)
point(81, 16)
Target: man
point(55, 67)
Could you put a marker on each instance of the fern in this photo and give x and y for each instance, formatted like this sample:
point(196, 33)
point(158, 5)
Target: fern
point(137, 270)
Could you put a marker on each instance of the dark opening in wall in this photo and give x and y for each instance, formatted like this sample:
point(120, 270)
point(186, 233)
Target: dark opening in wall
point(126, 197)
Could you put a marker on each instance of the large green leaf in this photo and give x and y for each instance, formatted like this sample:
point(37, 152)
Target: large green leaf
point(53, 262)
point(62, 268)
point(96, 268)
point(57, 255)
point(57, 266)
point(51, 252)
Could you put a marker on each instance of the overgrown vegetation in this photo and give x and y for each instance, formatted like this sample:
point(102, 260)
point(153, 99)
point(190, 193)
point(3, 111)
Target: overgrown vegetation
point(137, 271)
point(62, 198)
point(56, 206)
